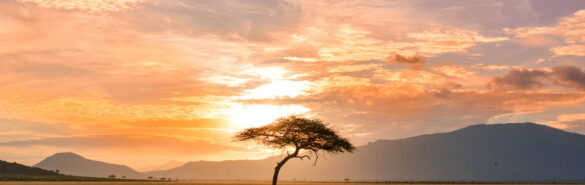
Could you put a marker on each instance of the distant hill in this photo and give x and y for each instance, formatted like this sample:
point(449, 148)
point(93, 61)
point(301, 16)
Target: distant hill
point(15, 169)
point(222, 170)
point(73, 164)
point(497, 152)
point(169, 165)
point(18, 172)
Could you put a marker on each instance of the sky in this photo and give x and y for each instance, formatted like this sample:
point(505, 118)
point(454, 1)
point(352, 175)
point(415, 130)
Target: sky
point(144, 82)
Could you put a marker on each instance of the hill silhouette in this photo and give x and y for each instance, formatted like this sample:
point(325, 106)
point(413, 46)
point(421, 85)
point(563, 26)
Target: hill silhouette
point(168, 165)
point(15, 169)
point(74, 164)
point(18, 172)
point(498, 152)
point(511, 152)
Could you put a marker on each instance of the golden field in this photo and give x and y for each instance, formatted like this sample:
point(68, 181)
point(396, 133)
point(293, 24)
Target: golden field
point(206, 183)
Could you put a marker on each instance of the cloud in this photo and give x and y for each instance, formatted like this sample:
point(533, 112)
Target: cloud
point(353, 68)
point(541, 40)
point(570, 76)
point(520, 79)
point(530, 79)
point(457, 71)
point(493, 67)
point(27, 68)
point(440, 35)
point(413, 60)
point(232, 19)
point(135, 143)
point(86, 5)
point(174, 123)
point(416, 62)
point(14, 129)
point(569, 28)
point(88, 56)
point(569, 122)
point(88, 112)
point(353, 43)
point(389, 102)
point(391, 111)
point(239, 19)
point(569, 50)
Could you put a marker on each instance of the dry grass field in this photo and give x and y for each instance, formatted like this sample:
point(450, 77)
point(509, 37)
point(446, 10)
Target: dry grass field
point(200, 183)
point(181, 183)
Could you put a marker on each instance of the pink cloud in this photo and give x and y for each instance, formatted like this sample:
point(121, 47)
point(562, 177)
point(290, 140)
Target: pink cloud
point(85, 5)
point(569, 28)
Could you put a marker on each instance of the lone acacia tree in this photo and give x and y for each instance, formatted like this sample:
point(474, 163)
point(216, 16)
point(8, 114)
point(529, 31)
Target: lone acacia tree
point(310, 135)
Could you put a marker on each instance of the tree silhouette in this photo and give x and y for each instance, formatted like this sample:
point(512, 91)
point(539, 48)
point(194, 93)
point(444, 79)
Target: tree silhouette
point(311, 135)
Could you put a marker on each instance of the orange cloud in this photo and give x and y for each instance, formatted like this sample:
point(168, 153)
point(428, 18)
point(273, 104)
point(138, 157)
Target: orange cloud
point(85, 5)
point(353, 68)
point(569, 28)
point(454, 71)
point(350, 43)
point(574, 50)
point(444, 39)
point(493, 67)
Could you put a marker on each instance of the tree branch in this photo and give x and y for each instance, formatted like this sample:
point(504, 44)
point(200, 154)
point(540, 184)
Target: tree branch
point(316, 157)
point(303, 157)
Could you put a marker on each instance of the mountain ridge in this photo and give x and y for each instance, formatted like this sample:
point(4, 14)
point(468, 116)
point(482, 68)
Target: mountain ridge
point(168, 165)
point(8, 168)
point(74, 164)
point(485, 152)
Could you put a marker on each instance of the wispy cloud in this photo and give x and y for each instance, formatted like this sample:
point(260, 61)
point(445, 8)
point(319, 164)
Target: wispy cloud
point(86, 5)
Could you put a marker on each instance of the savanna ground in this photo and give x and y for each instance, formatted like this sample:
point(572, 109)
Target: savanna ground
point(204, 183)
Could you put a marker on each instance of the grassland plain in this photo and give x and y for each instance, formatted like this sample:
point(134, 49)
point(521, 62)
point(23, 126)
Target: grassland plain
point(215, 183)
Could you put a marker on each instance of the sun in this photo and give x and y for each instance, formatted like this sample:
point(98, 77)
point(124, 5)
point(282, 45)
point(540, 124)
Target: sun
point(245, 116)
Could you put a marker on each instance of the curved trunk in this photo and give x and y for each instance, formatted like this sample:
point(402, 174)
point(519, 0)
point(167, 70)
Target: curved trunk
point(276, 170)
point(280, 164)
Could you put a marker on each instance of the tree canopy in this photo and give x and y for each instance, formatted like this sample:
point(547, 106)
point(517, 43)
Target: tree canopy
point(299, 133)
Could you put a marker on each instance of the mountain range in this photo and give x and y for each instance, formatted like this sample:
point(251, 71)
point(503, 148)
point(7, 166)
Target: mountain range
point(495, 152)
point(74, 164)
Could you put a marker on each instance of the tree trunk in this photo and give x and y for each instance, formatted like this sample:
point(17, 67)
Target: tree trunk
point(280, 164)
point(275, 176)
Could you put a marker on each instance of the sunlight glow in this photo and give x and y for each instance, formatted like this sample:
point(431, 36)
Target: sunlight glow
point(245, 116)
point(279, 88)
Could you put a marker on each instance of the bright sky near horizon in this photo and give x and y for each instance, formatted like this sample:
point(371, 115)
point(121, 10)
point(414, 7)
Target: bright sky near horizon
point(143, 82)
